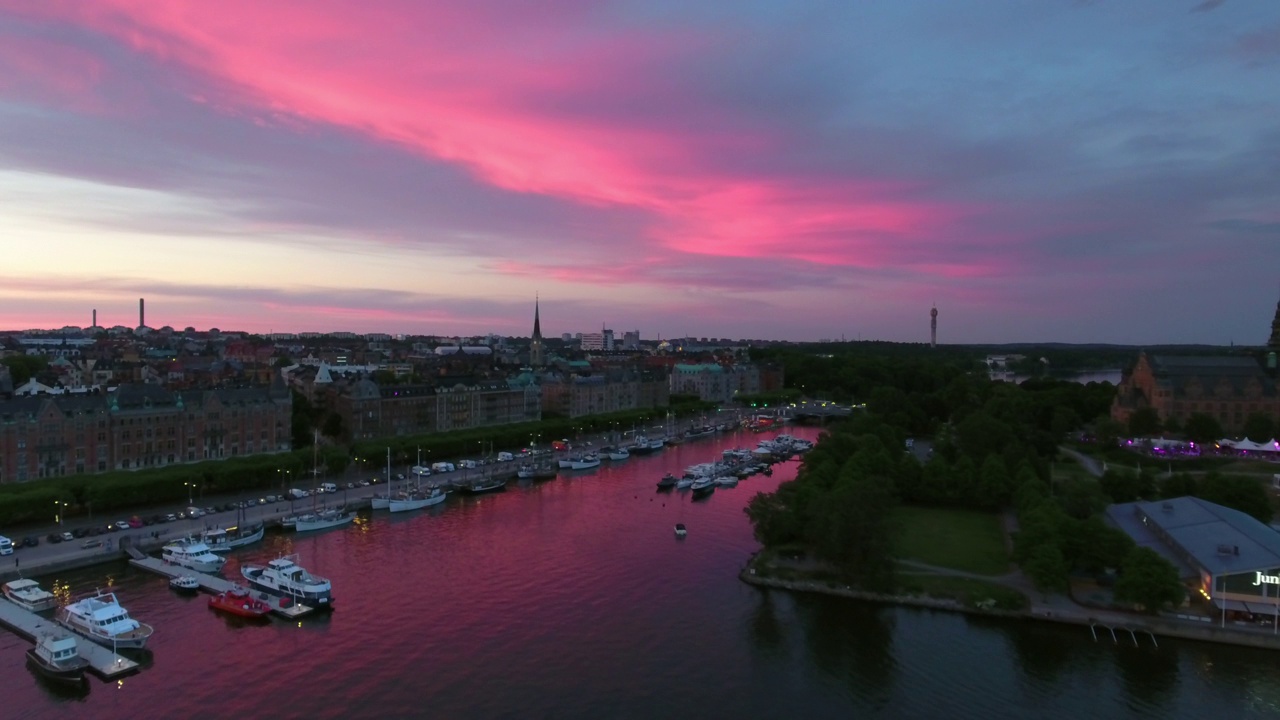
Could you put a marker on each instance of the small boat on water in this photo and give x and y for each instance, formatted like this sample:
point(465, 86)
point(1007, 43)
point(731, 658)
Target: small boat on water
point(668, 481)
point(484, 485)
point(102, 619)
point(194, 555)
point(28, 595)
point(57, 657)
point(185, 584)
point(220, 540)
point(417, 499)
point(324, 520)
point(680, 530)
point(727, 481)
point(238, 601)
point(584, 462)
point(704, 431)
point(536, 472)
point(685, 482)
point(619, 453)
point(285, 577)
point(703, 492)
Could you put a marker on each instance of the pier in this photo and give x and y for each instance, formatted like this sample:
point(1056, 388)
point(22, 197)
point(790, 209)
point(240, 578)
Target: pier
point(102, 661)
point(213, 584)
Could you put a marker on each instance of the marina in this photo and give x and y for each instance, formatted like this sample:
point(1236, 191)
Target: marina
point(216, 585)
point(102, 661)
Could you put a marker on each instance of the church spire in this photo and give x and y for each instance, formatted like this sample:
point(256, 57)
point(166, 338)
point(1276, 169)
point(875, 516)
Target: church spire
point(537, 326)
point(537, 354)
point(1274, 342)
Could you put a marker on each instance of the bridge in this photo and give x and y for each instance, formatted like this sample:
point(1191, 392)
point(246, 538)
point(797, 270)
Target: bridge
point(816, 409)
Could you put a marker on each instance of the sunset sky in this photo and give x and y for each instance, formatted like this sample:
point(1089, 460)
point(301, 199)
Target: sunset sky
point(1056, 170)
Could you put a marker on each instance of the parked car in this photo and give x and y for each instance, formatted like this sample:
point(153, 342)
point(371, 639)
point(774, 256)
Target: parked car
point(54, 538)
point(271, 498)
point(364, 483)
point(80, 532)
point(134, 522)
point(97, 530)
point(67, 537)
point(170, 517)
point(91, 543)
point(195, 512)
point(30, 541)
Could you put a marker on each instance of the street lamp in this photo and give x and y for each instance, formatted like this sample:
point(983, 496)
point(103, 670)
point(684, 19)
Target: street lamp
point(190, 490)
point(59, 508)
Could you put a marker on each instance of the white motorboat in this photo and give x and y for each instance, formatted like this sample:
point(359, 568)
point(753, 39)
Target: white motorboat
point(285, 577)
point(584, 462)
point(680, 530)
point(220, 540)
point(102, 619)
point(28, 594)
point(685, 482)
point(323, 520)
point(186, 584)
point(417, 499)
point(702, 482)
point(726, 481)
point(620, 453)
point(193, 554)
point(57, 657)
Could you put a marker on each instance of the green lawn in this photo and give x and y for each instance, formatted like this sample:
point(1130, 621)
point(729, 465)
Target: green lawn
point(959, 539)
point(966, 590)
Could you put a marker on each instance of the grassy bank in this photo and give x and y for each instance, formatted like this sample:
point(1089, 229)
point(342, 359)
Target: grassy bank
point(965, 540)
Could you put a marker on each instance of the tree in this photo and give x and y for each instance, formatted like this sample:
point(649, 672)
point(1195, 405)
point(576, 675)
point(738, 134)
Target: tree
point(1240, 492)
point(1144, 422)
point(1108, 431)
point(1124, 486)
point(1148, 580)
point(333, 426)
point(1179, 485)
point(995, 487)
point(1259, 427)
point(1203, 428)
point(24, 367)
point(855, 531)
point(1047, 568)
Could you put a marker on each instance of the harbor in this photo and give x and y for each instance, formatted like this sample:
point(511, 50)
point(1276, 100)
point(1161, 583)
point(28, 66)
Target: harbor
point(214, 585)
point(102, 661)
point(547, 580)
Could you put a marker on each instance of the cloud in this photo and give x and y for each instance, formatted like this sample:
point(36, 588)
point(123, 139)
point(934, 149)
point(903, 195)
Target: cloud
point(1207, 6)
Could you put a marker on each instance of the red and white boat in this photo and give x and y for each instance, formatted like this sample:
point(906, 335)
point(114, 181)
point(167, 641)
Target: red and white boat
point(238, 601)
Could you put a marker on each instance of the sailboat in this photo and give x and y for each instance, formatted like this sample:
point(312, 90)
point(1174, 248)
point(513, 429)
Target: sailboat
point(383, 502)
point(327, 517)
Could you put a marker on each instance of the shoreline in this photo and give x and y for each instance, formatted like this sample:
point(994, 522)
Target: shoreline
point(1131, 629)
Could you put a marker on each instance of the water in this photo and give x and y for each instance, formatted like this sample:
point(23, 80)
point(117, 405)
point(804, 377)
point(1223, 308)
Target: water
point(573, 599)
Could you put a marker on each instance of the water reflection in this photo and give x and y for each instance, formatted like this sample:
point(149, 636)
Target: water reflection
point(1042, 650)
point(1150, 676)
point(60, 691)
point(852, 642)
point(766, 630)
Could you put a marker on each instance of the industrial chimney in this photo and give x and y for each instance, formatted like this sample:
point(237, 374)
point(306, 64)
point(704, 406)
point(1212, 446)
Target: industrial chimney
point(142, 312)
point(95, 318)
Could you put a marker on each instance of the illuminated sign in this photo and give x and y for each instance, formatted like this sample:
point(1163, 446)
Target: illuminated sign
point(1266, 579)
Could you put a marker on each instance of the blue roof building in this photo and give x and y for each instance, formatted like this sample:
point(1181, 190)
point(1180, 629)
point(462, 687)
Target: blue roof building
point(1232, 557)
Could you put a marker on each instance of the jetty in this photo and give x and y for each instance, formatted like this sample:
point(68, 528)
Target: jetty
point(102, 661)
point(213, 584)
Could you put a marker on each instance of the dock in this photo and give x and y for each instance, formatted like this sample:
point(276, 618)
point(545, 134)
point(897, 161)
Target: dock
point(214, 584)
point(102, 661)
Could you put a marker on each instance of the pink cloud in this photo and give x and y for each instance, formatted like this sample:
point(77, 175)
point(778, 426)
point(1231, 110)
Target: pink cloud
point(503, 97)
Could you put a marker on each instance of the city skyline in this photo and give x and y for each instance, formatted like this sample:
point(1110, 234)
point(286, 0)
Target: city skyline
point(1069, 171)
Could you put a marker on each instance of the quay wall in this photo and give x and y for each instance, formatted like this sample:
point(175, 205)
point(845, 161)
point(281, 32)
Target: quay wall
point(1142, 625)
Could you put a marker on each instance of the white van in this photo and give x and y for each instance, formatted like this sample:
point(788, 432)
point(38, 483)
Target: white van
point(442, 467)
point(6, 546)
point(469, 464)
point(505, 457)
point(420, 471)
point(329, 487)
point(297, 494)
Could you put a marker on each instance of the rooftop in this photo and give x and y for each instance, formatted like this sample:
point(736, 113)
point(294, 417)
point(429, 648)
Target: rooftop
point(1222, 540)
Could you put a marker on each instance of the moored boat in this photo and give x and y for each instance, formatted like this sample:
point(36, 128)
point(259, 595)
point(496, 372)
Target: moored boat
point(619, 453)
point(220, 540)
point(584, 462)
point(417, 499)
point(668, 481)
point(324, 520)
point(484, 485)
point(57, 657)
point(28, 595)
point(103, 620)
point(185, 584)
point(238, 601)
point(702, 492)
point(193, 554)
point(285, 577)
point(680, 530)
